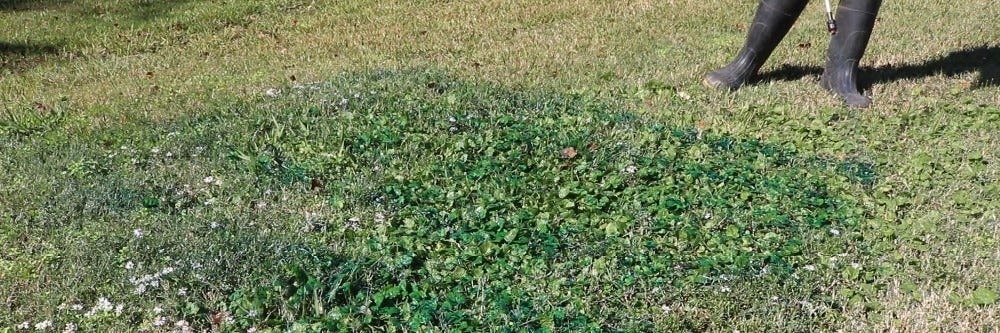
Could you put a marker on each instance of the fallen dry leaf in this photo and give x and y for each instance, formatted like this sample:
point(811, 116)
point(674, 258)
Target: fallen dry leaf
point(568, 152)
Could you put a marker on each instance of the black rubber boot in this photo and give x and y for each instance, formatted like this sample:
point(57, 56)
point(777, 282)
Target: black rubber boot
point(771, 23)
point(855, 20)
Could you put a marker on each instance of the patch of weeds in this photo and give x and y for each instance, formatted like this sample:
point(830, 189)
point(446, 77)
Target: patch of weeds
point(271, 164)
point(37, 119)
point(411, 201)
point(513, 209)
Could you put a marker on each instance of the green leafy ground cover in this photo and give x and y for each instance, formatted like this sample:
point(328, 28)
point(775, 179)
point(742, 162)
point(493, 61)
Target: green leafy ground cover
point(150, 182)
point(410, 200)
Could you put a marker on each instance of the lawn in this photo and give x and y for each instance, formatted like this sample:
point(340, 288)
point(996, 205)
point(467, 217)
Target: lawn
point(425, 165)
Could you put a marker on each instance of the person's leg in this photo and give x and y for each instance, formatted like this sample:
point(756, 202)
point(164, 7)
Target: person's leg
point(855, 20)
point(771, 23)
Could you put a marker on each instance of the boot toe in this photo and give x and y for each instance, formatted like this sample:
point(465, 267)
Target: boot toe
point(857, 101)
point(719, 80)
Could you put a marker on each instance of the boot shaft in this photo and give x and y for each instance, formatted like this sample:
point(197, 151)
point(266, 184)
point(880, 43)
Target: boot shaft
point(855, 21)
point(770, 24)
point(772, 21)
point(775, 17)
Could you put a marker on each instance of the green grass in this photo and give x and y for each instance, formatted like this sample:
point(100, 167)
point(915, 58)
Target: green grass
point(510, 166)
point(411, 200)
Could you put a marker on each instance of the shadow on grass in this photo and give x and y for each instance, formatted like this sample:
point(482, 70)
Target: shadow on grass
point(17, 5)
point(18, 57)
point(146, 10)
point(23, 55)
point(140, 10)
point(23, 49)
point(787, 73)
point(981, 59)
